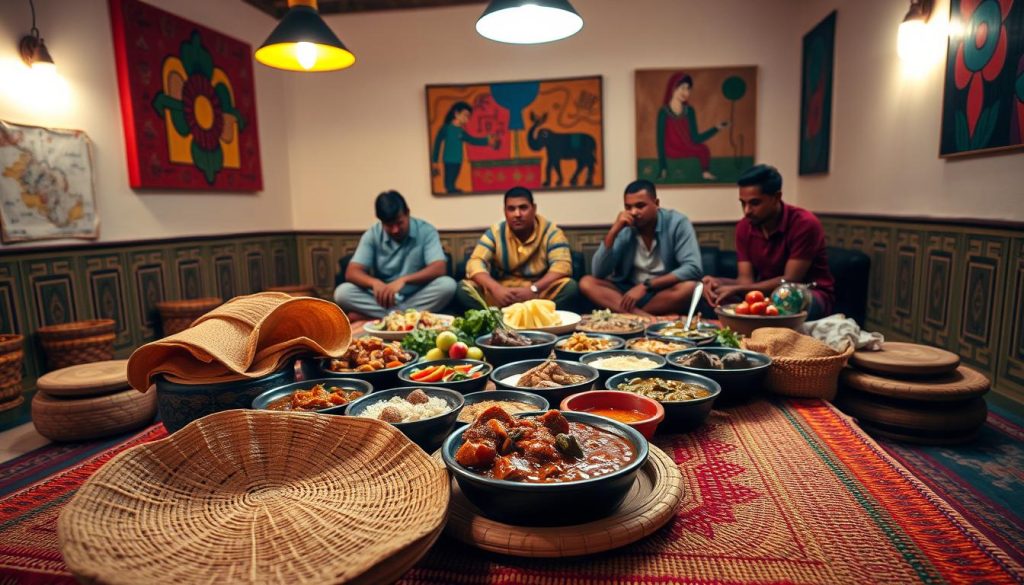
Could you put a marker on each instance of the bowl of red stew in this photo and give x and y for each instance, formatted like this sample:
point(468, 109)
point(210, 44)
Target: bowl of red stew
point(463, 376)
point(323, 395)
point(639, 412)
point(686, 397)
point(553, 468)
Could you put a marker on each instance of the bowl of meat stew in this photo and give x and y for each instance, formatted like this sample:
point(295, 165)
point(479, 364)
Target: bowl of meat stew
point(545, 468)
point(552, 379)
point(504, 347)
point(687, 398)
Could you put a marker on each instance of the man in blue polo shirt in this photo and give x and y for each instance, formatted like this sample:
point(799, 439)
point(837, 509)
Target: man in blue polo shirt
point(649, 261)
point(398, 265)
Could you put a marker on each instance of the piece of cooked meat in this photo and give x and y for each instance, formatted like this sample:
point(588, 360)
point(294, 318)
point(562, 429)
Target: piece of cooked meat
point(390, 414)
point(417, 396)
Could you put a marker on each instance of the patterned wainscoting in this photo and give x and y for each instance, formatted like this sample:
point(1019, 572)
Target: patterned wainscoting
point(947, 284)
point(47, 286)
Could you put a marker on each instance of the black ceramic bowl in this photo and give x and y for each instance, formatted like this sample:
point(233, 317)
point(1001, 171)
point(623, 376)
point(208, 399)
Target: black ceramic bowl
point(181, 403)
point(536, 401)
point(461, 386)
point(736, 384)
point(499, 355)
point(565, 354)
point(604, 373)
point(550, 504)
point(262, 401)
point(707, 335)
point(428, 433)
point(379, 379)
point(683, 415)
point(552, 395)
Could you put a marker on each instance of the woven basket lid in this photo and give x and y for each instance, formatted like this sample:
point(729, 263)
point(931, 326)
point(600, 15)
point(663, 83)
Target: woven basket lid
point(962, 384)
point(906, 359)
point(260, 497)
point(86, 379)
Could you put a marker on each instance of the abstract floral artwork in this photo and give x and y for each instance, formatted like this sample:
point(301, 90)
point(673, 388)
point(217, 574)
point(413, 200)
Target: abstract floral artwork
point(187, 102)
point(983, 105)
point(489, 137)
point(816, 97)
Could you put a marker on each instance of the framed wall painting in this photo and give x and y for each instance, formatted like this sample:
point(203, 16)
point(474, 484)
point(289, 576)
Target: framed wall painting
point(188, 103)
point(46, 184)
point(983, 94)
point(540, 134)
point(696, 125)
point(816, 97)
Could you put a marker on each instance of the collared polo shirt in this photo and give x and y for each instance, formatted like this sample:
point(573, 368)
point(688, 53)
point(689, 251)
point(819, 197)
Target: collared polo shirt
point(647, 262)
point(387, 259)
point(798, 236)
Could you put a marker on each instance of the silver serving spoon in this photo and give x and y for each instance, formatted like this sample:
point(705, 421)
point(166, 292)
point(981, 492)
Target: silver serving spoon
point(697, 293)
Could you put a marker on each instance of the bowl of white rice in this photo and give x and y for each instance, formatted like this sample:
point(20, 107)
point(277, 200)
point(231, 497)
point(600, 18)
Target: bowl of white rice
point(614, 361)
point(424, 414)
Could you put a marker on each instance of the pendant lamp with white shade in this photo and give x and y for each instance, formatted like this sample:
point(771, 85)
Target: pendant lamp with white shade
point(527, 22)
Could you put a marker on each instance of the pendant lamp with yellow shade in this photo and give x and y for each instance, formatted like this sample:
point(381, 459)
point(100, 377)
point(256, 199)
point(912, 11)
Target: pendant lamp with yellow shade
point(302, 41)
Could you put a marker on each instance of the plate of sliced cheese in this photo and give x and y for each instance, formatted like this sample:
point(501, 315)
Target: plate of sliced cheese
point(539, 315)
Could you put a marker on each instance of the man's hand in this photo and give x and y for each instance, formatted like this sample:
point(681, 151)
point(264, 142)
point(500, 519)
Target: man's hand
point(390, 290)
point(724, 292)
point(523, 293)
point(623, 220)
point(380, 293)
point(504, 295)
point(632, 296)
point(711, 285)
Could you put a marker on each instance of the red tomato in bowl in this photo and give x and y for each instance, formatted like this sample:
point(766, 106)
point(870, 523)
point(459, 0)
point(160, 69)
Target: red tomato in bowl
point(742, 309)
point(754, 296)
point(758, 308)
point(771, 311)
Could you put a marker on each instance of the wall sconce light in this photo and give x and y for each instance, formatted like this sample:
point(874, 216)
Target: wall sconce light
point(527, 22)
point(33, 49)
point(302, 41)
point(913, 33)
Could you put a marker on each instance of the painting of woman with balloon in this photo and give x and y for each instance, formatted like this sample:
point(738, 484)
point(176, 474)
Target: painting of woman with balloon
point(489, 137)
point(695, 126)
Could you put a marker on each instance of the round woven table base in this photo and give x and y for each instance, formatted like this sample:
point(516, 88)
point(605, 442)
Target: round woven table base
point(950, 439)
point(651, 503)
point(9, 404)
point(962, 384)
point(934, 423)
point(92, 379)
point(82, 419)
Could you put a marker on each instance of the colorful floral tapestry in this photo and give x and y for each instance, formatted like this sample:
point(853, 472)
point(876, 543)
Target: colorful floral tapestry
point(983, 105)
point(187, 102)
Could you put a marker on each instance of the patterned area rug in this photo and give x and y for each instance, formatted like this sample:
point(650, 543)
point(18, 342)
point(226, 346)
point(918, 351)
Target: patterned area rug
point(775, 492)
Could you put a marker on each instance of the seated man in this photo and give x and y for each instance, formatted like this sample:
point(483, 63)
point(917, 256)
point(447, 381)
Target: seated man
point(775, 242)
point(398, 265)
point(524, 257)
point(649, 261)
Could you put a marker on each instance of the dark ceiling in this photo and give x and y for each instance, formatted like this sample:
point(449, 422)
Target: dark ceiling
point(277, 8)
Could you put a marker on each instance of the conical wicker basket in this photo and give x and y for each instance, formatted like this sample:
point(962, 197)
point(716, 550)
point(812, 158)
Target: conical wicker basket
point(177, 316)
point(78, 342)
point(260, 497)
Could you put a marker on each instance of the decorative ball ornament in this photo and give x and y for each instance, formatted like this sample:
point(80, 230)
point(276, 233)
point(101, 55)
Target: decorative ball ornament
point(791, 298)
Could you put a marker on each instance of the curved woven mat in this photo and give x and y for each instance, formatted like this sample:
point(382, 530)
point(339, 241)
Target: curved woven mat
point(789, 491)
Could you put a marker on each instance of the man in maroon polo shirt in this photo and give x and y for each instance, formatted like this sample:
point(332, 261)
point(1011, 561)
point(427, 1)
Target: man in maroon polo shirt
point(775, 241)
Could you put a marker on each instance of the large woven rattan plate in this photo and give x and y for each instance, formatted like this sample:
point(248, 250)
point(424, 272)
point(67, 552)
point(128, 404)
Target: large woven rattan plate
point(260, 497)
point(650, 504)
point(90, 379)
point(907, 359)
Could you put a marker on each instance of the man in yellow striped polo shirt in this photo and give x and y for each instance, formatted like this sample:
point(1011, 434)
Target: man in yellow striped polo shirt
point(524, 257)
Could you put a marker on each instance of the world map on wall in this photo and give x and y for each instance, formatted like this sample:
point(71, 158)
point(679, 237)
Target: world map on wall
point(46, 186)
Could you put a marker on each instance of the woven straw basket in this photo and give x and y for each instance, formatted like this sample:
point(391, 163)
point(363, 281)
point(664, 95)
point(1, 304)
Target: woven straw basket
point(10, 359)
point(83, 419)
point(806, 377)
point(78, 342)
point(261, 497)
point(177, 316)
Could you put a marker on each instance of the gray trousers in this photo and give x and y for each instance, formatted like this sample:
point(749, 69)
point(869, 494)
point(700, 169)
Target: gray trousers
point(434, 296)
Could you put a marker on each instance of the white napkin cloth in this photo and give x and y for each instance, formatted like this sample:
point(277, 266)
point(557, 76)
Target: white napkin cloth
point(838, 332)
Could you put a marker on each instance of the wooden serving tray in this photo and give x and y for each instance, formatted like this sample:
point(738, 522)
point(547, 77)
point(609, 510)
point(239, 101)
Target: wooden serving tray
point(961, 384)
point(651, 503)
point(906, 359)
point(92, 379)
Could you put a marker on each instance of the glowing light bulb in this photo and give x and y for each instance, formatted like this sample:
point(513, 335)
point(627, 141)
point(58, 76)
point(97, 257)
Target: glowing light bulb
point(306, 55)
point(912, 40)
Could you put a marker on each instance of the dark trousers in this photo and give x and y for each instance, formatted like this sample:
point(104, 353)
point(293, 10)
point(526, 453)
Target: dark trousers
point(451, 174)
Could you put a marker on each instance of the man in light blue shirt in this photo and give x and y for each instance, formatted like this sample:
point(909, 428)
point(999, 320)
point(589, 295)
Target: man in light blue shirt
point(398, 265)
point(649, 261)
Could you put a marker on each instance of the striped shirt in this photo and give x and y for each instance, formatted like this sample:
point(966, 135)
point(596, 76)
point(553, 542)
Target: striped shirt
point(501, 253)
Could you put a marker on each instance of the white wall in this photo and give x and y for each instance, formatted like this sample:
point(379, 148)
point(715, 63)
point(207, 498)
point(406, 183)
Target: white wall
point(78, 35)
point(360, 131)
point(886, 123)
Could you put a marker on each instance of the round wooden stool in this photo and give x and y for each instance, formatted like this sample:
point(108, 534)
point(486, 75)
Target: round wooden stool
point(78, 342)
point(939, 410)
point(906, 359)
point(83, 419)
point(176, 316)
point(83, 380)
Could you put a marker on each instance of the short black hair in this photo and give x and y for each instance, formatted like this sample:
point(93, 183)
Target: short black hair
point(766, 177)
point(641, 185)
point(389, 205)
point(519, 193)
